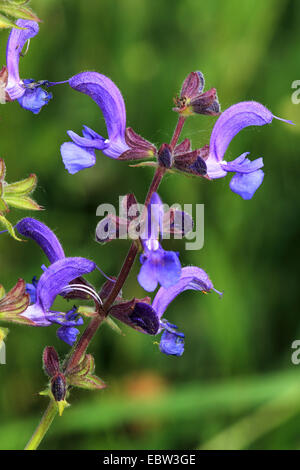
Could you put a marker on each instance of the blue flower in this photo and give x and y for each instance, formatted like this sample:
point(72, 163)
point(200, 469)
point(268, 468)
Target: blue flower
point(31, 289)
point(67, 332)
point(146, 318)
point(248, 174)
point(192, 278)
point(28, 92)
point(158, 265)
point(80, 153)
point(52, 282)
point(34, 98)
point(172, 341)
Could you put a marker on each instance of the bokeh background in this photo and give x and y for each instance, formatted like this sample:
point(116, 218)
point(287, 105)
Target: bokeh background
point(235, 386)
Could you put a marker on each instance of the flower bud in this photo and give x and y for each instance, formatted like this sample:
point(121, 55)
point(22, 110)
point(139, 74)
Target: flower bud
point(165, 156)
point(50, 361)
point(59, 387)
point(59, 390)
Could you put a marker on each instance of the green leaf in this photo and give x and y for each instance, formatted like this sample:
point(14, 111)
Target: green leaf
point(61, 405)
point(23, 202)
point(9, 228)
point(18, 11)
point(3, 206)
point(21, 188)
point(84, 367)
point(113, 325)
point(87, 311)
point(87, 382)
point(6, 23)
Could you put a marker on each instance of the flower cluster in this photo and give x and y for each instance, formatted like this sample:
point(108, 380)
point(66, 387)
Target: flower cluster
point(33, 303)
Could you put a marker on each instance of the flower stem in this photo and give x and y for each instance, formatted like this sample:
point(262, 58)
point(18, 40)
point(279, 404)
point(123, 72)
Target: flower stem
point(84, 342)
point(177, 132)
point(95, 323)
point(43, 426)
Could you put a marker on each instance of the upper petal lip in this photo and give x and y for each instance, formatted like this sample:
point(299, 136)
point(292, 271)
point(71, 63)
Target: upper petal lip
point(108, 97)
point(15, 44)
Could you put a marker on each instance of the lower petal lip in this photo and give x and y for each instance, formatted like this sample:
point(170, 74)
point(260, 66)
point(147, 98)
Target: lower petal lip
point(214, 169)
point(15, 90)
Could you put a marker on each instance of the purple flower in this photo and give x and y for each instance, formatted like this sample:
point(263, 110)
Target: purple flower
point(80, 153)
point(192, 278)
point(158, 265)
point(172, 341)
point(31, 289)
point(148, 318)
point(29, 93)
point(248, 174)
point(54, 279)
point(67, 332)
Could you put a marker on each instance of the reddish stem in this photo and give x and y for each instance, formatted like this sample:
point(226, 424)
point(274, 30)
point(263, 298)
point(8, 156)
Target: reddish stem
point(84, 342)
point(177, 132)
point(95, 323)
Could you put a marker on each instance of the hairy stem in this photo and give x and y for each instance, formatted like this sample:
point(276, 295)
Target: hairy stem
point(177, 132)
point(84, 342)
point(43, 426)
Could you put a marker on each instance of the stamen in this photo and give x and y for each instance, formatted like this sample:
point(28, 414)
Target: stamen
point(218, 292)
point(56, 83)
point(105, 275)
point(4, 231)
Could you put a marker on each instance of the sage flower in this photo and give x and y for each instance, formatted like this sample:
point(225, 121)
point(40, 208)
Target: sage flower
point(59, 274)
point(148, 318)
point(27, 92)
point(192, 278)
point(158, 265)
point(80, 153)
point(248, 175)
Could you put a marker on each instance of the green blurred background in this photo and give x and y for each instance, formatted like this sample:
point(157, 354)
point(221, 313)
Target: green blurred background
point(235, 386)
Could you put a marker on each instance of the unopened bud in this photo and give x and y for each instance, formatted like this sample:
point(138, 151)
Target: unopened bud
point(165, 156)
point(50, 361)
point(59, 387)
